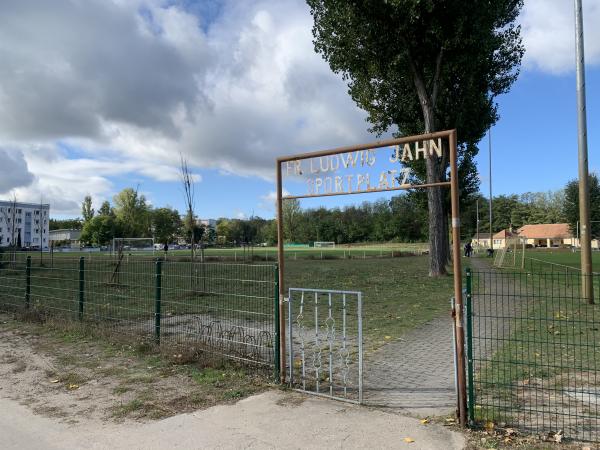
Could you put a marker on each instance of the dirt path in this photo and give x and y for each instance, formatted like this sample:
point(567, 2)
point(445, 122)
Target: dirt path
point(62, 391)
point(72, 377)
point(265, 421)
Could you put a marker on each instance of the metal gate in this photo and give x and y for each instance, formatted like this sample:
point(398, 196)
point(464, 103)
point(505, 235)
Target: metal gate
point(325, 348)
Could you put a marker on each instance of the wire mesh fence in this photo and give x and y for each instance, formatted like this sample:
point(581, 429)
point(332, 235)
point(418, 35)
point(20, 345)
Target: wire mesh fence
point(233, 254)
point(226, 310)
point(532, 352)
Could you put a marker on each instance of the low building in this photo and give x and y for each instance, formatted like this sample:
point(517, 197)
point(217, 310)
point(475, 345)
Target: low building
point(548, 235)
point(24, 224)
point(68, 237)
point(500, 239)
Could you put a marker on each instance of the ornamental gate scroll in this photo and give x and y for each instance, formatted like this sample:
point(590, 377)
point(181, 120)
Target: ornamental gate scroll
point(325, 348)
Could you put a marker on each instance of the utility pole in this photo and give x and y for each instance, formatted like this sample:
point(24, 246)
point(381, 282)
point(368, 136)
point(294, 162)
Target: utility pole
point(477, 221)
point(490, 154)
point(587, 290)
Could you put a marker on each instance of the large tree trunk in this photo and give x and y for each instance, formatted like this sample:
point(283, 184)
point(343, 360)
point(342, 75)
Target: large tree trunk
point(438, 228)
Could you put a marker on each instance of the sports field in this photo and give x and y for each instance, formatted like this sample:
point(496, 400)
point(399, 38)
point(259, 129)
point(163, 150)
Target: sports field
point(270, 253)
point(565, 257)
point(397, 293)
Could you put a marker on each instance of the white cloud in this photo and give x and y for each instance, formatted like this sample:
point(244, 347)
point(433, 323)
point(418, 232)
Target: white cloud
point(268, 202)
point(549, 34)
point(132, 83)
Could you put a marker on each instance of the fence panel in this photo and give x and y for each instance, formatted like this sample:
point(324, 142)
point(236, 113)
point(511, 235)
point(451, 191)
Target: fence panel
point(226, 310)
point(533, 347)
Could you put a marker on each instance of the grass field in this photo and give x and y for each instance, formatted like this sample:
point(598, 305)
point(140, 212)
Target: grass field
point(351, 251)
point(397, 293)
point(565, 257)
point(537, 348)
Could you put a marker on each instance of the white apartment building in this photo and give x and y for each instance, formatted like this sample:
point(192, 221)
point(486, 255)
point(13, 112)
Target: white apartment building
point(28, 222)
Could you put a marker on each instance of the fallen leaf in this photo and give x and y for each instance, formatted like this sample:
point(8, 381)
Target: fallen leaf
point(558, 437)
point(489, 426)
point(388, 337)
point(409, 440)
point(54, 381)
point(72, 387)
point(424, 421)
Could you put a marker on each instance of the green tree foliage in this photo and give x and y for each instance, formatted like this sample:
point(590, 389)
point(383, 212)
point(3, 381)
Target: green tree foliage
point(571, 205)
point(133, 213)
point(100, 230)
point(291, 213)
point(105, 209)
point(166, 224)
point(87, 212)
point(425, 65)
point(65, 224)
point(253, 230)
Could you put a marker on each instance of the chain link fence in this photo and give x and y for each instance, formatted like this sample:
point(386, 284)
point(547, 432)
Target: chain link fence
point(225, 310)
point(533, 347)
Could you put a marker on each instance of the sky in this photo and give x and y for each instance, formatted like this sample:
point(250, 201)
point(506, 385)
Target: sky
point(100, 95)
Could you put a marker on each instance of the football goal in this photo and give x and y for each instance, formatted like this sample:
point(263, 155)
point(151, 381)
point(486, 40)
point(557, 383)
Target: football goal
point(512, 255)
point(132, 245)
point(321, 244)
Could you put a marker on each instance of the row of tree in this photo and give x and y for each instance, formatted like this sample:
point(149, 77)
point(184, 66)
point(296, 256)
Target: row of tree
point(130, 216)
point(403, 218)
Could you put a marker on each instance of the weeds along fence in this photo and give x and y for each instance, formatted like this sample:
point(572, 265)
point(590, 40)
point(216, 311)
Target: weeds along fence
point(224, 310)
point(533, 349)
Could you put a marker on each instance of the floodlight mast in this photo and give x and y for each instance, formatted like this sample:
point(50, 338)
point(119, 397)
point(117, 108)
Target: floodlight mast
point(456, 255)
point(584, 193)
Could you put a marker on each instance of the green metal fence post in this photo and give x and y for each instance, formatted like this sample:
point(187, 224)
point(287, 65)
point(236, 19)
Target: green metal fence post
point(277, 338)
point(81, 285)
point(158, 294)
point(470, 381)
point(28, 282)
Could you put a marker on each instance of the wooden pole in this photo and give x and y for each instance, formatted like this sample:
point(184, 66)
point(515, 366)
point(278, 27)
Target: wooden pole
point(458, 324)
point(280, 263)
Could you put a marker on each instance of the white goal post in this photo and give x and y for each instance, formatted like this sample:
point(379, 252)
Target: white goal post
point(321, 244)
point(130, 245)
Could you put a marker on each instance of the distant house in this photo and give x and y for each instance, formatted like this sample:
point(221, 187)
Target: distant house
point(539, 235)
point(65, 236)
point(500, 239)
point(547, 235)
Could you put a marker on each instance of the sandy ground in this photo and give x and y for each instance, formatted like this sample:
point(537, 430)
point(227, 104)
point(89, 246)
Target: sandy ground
point(41, 409)
point(272, 419)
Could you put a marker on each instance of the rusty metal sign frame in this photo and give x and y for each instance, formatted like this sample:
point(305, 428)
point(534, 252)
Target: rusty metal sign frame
point(453, 184)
